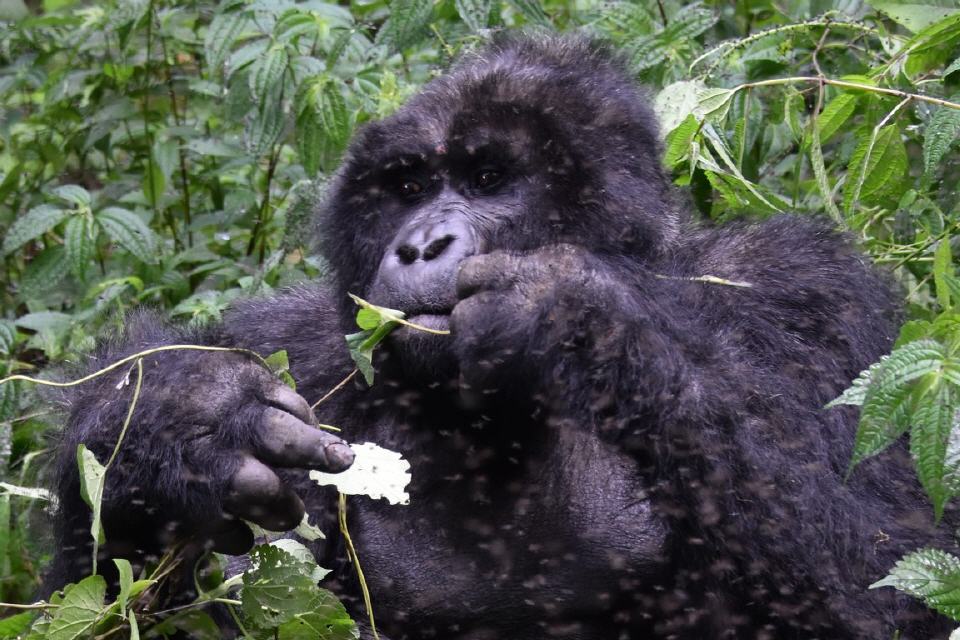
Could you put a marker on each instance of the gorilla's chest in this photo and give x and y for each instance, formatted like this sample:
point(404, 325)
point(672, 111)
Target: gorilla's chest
point(516, 531)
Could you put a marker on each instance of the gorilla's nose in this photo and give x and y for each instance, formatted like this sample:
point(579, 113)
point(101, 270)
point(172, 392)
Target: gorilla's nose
point(419, 268)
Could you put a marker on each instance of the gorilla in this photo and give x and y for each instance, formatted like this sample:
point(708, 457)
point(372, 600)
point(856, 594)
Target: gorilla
point(623, 435)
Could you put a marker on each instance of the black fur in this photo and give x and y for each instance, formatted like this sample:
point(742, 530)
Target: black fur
point(605, 446)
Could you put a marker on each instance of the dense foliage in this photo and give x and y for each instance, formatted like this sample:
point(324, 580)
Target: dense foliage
point(169, 152)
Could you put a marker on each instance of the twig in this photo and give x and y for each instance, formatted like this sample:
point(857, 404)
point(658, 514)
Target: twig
point(352, 553)
point(844, 84)
point(339, 386)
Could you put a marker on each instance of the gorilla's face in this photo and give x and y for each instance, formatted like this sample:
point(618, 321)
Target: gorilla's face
point(502, 153)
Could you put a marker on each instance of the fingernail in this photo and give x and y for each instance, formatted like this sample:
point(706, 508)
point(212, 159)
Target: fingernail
point(339, 456)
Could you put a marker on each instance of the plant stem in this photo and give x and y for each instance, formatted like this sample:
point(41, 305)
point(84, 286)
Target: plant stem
point(171, 90)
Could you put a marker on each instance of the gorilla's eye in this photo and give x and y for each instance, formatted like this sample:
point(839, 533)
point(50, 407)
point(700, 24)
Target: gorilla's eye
point(409, 188)
point(487, 178)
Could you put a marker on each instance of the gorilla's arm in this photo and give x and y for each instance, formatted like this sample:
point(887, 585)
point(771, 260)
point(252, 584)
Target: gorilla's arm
point(711, 386)
point(214, 435)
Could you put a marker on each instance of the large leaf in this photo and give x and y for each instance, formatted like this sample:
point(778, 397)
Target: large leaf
point(914, 17)
point(942, 131)
point(130, 232)
point(877, 166)
point(79, 240)
point(407, 23)
point(935, 447)
point(266, 75)
point(277, 588)
point(326, 619)
point(835, 114)
point(45, 271)
point(33, 224)
point(475, 13)
point(931, 575)
point(221, 35)
point(80, 610)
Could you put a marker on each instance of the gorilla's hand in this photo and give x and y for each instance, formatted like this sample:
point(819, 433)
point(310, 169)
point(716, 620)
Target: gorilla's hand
point(516, 310)
point(208, 433)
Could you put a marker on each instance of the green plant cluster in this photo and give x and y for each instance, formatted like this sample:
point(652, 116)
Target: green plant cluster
point(170, 153)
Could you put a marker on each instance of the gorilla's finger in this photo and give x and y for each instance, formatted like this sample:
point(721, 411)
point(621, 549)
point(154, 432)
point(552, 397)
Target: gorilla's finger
point(258, 495)
point(286, 441)
point(283, 397)
point(232, 537)
point(490, 271)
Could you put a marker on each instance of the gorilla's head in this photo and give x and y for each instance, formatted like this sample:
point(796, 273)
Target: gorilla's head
point(528, 142)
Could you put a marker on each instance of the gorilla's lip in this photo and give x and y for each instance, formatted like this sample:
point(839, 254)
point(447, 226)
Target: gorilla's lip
point(431, 320)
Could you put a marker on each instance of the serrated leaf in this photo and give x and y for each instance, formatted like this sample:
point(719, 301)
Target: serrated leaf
point(266, 75)
point(941, 132)
point(835, 114)
point(533, 11)
point(33, 224)
point(221, 35)
point(931, 575)
point(264, 128)
point(81, 608)
point(678, 141)
point(876, 167)
point(276, 589)
point(942, 269)
point(8, 336)
point(45, 271)
point(80, 244)
point(935, 447)
point(407, 23)
point(302, 554)
point(130, 232)
point(474, 13)
point(280, 366)
point(74, 194)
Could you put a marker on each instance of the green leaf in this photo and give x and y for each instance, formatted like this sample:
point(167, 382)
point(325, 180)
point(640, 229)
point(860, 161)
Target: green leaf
point(407, 23)
point(303, 555)
point(277, 588)
point(835, 114)
point(326, 619)
point(16, 625)
point(125, 577)
point(533, 11)
point(221, 36)
point(92, 475)
point(940, 35)
point(74, 194)
point(914, 17)
point(45, 271)
point(361, 355)
point(935, 447)
point(475, 13)
point(931, 575)
point(266, 75)
point(678, 141)
point(134, 627)
point(713, 103)
point(80, 610)
point(674, 104)
point(79, 240)
point(33, 224)
point(129, 231)
point(166, 157)
point(154, 182)
point(941, 132)
point(8, 336)
point(264, 129)
point(877, 166)
point(280, 366)
point(943, 269)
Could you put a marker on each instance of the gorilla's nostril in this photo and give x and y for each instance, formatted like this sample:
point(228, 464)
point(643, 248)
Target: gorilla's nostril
point(437, 247)
point(408, 254)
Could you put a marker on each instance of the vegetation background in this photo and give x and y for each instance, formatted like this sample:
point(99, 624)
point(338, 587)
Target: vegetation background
point(169, 152)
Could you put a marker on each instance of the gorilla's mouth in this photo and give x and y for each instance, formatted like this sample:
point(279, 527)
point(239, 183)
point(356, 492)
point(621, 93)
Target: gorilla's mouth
point(435, 320)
